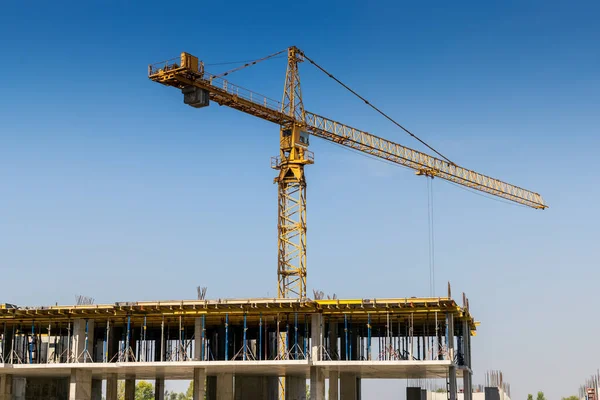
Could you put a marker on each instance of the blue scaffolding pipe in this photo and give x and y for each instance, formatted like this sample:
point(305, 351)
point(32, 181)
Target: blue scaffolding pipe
point(202, 338)
point(127, 338)
point(260, 338)
point(346, 335)
point(447, 333)
point(295, 336)
point(31, 347)
point(244, 345)
point(227, 337)
point(351, 336)
point(369, 337)
point(305, 335)
point(85, 347)
point(287, 337)
point(144, 343)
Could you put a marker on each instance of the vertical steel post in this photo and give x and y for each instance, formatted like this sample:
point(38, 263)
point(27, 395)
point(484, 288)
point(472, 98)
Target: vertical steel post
point(346, 335)
point(305, 335)
point(85, 346)
point(127, 338)
point(31, 344)
point(369, 337)
point(260, 324)
point(244, 339)
point(106, 341)
point(144, 342)
point(351, 336)
point(202, 338)
point(295, 336)
point(227, 337)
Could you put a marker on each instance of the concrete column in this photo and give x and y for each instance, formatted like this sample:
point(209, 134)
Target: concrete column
point(159, 389)
point(80, 387)
point(211, 388)
point(453, 385)
point(79, 340)
point(452, 369)
point(349, 386)
point(111, 387)
point(413, 393)
point(96, 389)
point(317, 383)
point(295, 388)
point(316, 336)
point(130, 389)
point(18, 387)
point(334, 352)
point(249, 387)
point(197, 338)
point(467, 372)
point(6, 382)
point(224, 387)
point(199, 383)
point(334, 385)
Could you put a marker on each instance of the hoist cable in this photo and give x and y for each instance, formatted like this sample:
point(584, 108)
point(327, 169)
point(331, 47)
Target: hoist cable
point(378, 110)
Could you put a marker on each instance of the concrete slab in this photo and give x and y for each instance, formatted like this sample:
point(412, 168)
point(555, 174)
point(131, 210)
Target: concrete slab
point(389, 369)
point(185, 369)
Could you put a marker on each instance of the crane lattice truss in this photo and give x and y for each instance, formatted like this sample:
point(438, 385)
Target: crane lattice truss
point(296, 125)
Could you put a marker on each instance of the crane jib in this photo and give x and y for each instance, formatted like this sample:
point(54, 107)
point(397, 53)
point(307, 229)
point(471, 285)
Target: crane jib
point(225, 93)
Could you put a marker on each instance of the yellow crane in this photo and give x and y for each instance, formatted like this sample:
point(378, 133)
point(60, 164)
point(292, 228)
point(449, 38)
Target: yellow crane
point(297, 125)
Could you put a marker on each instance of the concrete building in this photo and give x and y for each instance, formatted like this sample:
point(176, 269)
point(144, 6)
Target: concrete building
point(233, 349)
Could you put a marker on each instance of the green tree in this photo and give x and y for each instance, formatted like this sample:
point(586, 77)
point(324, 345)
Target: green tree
point(570, 398)
point(189, 394)
point(530, 397)
point(540, 396)
point(144, 391)
point(170, 395)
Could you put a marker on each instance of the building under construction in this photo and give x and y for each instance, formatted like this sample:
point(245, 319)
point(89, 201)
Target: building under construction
point(242, 349)
point(256, 348)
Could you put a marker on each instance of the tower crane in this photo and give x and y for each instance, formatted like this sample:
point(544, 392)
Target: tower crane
point(296, 127)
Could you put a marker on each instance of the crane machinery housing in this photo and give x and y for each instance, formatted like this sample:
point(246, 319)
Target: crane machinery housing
point(297, 125)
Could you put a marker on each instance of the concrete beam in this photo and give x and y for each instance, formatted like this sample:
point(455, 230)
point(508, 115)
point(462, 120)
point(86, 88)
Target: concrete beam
point(80, 386)
point(159, 389)
point(111, 387)
point(317, 383)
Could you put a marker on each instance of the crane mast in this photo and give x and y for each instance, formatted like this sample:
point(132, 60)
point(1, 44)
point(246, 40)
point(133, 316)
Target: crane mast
point(296, 127)
point(291, 184)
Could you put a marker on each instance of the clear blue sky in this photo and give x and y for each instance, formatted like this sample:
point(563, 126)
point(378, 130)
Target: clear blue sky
point(112, 188)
